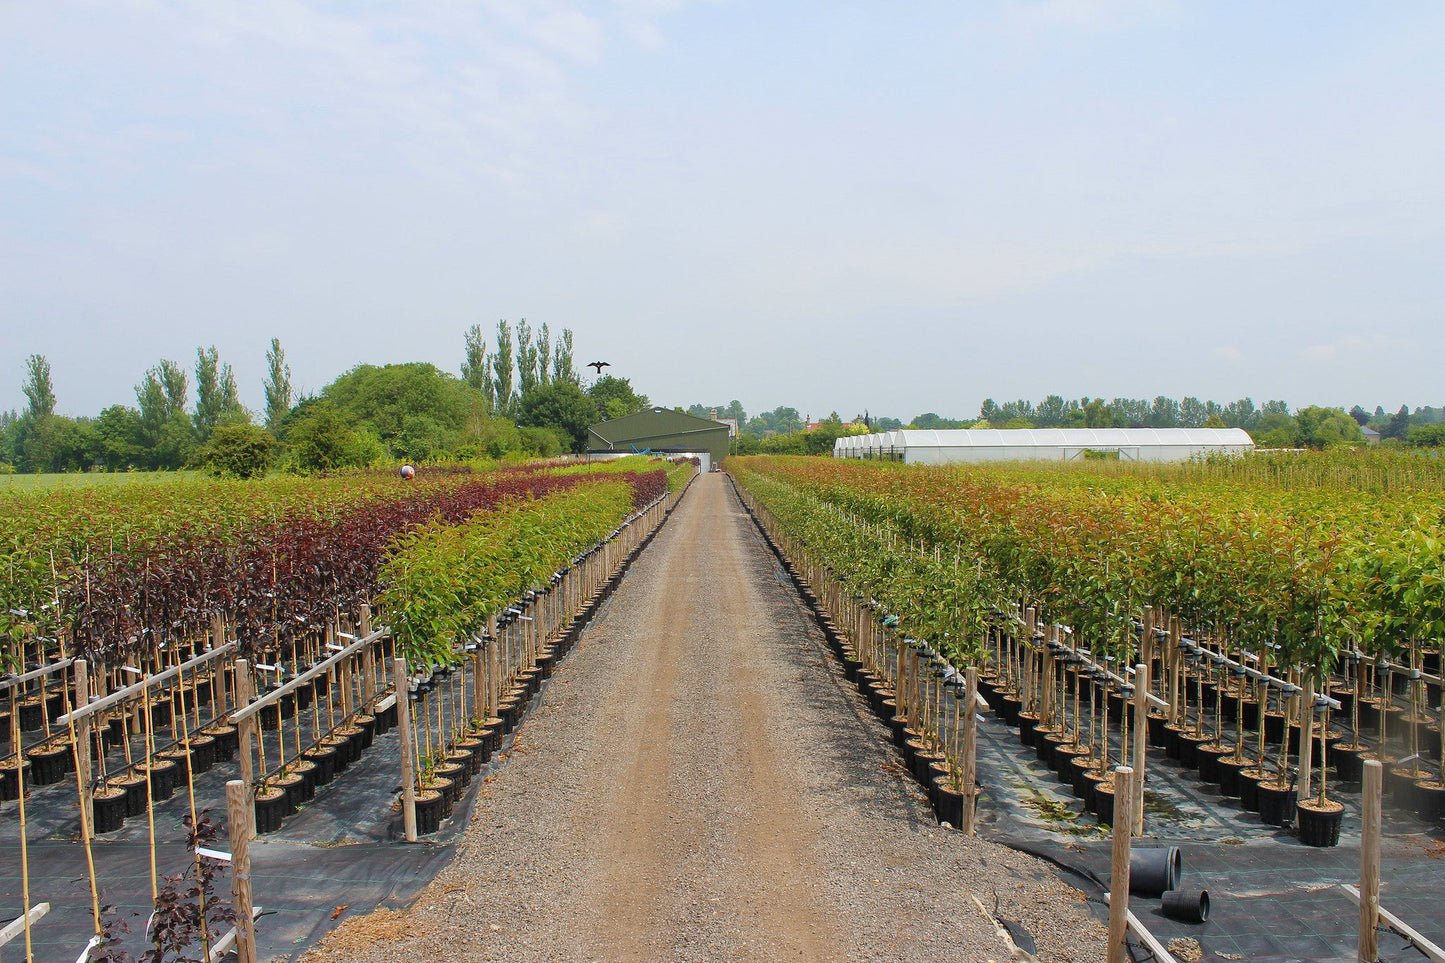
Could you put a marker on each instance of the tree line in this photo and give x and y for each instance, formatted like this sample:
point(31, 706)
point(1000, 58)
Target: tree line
point(522, 398)
point(1271, 425)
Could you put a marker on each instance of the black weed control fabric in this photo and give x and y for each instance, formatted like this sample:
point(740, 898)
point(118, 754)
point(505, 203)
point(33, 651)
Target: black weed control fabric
point(1272, 899)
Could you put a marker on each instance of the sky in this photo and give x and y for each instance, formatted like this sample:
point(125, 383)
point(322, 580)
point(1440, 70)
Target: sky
point(831, 206)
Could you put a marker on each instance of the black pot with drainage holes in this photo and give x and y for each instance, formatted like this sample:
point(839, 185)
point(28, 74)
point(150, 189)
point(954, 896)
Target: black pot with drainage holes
point(1187, 905)
point(1154, 872)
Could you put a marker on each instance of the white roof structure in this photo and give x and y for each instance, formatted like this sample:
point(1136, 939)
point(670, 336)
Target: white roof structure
point(1042, 444)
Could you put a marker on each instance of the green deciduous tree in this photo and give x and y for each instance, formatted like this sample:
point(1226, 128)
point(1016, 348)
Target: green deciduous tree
point(238, 451)
point(503, 400)
point(217, 400)
point(277, 385)
point(562, 369)
point(615, 398)
point(562, 406)
point(38, 387)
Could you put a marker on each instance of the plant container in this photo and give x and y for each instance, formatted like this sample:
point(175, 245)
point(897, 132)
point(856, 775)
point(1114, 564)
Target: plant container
point(1276, 803)
point(109, 808)
point(1319, 823)
point(270, 809)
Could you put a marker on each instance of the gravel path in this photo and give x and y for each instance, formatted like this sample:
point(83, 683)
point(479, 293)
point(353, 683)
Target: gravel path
point(700, 784)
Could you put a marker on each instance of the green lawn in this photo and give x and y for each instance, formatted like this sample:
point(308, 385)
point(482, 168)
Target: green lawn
point(82, 479)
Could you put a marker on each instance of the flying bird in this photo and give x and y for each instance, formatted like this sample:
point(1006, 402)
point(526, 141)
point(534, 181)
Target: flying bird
point(599, 365)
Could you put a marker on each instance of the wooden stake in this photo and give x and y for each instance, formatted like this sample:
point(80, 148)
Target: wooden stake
point(240, 822)
point(1141, 744)
point(1374, 782)
point(1306, 739)
point(1118, 952)
point(403, 727)
point(246, 728)
point(970, 746)
point(83, 771)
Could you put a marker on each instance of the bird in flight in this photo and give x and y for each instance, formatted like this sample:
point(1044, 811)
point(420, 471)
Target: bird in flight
point(599, 365)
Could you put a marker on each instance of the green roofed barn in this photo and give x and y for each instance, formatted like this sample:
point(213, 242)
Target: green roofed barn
point(661, 430)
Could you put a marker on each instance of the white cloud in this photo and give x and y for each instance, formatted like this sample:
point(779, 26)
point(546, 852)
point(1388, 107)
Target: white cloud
point(1228, 353)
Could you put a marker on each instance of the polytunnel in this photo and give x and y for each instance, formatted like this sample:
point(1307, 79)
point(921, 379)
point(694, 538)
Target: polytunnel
point(1043, 444)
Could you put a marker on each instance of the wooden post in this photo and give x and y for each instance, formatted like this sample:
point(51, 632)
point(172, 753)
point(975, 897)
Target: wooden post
point(970, 745)
point(403, 728)
point(1141, 745)
point(1374, 782)
point(1119, 874)
point(240, 821)
point(246, 728)
point(82, 749)
point(1306, 739)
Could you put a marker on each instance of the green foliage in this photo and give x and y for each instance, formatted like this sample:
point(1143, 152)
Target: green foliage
point(217, 400)
point(38, 387)
point(562, 406)
point(441, 582)
point(277, 386)
point(615, 398)
point(322, 439)
point(238, 451)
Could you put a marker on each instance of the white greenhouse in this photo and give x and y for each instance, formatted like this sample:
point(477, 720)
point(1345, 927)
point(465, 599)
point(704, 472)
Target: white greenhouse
point(1043, 444)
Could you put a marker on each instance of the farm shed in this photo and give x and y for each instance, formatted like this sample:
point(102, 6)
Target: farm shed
point(1043, 444)
point(661, 430)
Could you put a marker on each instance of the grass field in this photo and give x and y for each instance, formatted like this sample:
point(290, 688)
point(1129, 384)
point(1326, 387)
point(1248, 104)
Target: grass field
point(84, 479)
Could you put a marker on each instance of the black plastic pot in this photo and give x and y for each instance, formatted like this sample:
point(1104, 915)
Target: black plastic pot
point(1064, 758)
point(228, 740)
point(367, 725)
point(48, 766)
point(203, 753)
point(508, 710)
point(1154, 871)
point(134, 785)
point(306, 791)
point(293, 785)
point(32, 715)
point(109, 808)
point(1400, 787)
point(1046, 742)
point(10, 781)
point(270, 810)
point(324, 758)
point(1209, 756)
point(1249, 789)
point(1102, 803)
point(1186, 905)
point(1276, 805)
point(1189, 744)
point(1273, 727)
point(947, 802)
point(1028, 727)
point(1319, 827)
point(340, 753)
point(1172, 735)
point(1156, 730)
point(898, 725)
point(428, 812)
point(1430, 799)
point(1349, 762)
point(162, 778)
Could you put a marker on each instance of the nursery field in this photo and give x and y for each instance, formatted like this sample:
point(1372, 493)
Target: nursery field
point(181, 650)
point(1256, 637)
point(776, 681)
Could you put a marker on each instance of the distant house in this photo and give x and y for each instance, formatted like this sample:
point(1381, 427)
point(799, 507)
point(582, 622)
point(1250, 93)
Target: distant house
point(1372, 437)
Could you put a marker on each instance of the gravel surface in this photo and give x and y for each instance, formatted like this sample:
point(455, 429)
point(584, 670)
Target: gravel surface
point(699, 783)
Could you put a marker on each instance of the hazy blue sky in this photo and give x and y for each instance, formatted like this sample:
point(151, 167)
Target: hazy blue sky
point(903, 207)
